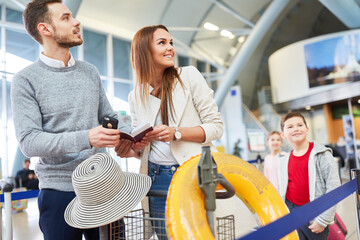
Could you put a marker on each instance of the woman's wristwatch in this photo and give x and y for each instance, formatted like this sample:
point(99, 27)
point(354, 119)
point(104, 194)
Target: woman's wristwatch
point(177, 134)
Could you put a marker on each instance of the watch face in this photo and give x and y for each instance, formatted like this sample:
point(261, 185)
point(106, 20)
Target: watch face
point(177, 135)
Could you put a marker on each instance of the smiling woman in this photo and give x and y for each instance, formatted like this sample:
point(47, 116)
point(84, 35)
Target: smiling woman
point(177, 102)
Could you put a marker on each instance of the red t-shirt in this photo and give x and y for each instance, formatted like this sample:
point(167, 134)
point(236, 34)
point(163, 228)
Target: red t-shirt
point(298, 171)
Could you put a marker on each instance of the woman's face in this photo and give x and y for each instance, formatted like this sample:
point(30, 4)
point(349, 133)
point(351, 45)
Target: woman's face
point(162, 49)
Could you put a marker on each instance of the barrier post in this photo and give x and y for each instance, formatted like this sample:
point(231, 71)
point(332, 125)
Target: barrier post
point(355, 173)
point(7, 188)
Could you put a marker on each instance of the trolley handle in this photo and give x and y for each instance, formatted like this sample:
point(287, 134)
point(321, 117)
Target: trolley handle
point(6, 186)
point(230, 190)
point(156, 193)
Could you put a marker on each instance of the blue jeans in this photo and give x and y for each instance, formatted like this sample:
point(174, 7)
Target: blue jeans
point(52, 205)
point(161, 176)
point(304, 232)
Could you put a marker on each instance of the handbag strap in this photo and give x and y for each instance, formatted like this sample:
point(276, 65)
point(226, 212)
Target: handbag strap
point(341, 227)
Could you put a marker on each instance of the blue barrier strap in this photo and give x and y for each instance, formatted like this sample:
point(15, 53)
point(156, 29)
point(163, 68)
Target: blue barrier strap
point(255, 161)
point(21, 195)
point(302, 215)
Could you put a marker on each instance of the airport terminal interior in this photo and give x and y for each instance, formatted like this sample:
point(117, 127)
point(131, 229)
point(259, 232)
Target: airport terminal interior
point(262, 59)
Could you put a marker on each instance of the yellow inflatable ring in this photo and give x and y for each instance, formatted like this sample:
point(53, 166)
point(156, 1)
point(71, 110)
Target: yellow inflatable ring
point(185, 210)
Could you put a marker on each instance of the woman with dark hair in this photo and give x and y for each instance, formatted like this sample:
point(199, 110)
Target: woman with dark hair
point(176, 101)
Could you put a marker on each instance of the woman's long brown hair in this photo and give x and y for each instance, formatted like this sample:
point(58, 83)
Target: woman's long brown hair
point(144, 66)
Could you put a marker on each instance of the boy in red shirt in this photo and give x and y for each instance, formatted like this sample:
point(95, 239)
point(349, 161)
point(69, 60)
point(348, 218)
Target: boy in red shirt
point(306, 173)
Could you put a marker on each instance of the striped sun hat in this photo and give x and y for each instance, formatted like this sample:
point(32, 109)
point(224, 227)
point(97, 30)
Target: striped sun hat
point(104, 193)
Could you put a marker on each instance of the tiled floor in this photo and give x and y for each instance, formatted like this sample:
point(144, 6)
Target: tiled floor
point(25, 224)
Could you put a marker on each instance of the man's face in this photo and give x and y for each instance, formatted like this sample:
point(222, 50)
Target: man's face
point(26, 164)
point(65, 28)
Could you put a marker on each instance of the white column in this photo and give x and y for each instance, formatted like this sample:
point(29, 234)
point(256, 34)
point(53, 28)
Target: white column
point(256, 35)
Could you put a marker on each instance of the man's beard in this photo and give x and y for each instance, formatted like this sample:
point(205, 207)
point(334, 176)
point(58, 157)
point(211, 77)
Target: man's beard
point(64, 42)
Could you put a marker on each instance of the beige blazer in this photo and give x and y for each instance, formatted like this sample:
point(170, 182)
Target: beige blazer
point(194, 105)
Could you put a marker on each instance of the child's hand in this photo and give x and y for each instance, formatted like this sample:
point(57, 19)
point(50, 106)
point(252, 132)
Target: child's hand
point(316, 228)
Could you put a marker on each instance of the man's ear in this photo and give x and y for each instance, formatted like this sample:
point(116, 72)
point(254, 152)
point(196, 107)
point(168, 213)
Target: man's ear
point(45, 29)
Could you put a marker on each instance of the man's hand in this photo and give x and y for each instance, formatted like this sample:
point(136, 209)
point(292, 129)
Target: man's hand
point(141, 145)
point(100, 137)
point(316, 228)
point(124, 148)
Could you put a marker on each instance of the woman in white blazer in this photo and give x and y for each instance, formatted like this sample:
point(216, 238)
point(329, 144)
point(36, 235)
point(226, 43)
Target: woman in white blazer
point(177, 102)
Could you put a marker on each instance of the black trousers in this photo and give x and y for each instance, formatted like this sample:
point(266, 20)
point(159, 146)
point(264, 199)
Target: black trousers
point(304, 232)
point(52, 205)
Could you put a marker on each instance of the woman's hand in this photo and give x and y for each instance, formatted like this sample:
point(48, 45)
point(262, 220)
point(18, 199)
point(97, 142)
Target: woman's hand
point(160, 133)
point(316, 228)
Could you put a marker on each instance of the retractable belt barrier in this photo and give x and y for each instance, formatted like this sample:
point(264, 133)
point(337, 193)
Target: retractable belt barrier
point(21, 195)
point(279, 228)
point(255, 161)
point(303, 214)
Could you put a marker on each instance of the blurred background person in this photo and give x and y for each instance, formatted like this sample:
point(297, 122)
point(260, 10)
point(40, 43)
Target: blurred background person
point(27, 177)
point(274, 142)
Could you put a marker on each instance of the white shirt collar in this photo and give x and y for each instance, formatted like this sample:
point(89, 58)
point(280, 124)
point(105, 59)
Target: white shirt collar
point(51, 62)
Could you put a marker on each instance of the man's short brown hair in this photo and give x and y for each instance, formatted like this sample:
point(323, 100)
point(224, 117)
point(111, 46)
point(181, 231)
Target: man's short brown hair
point(37, 11)
point(291, 115)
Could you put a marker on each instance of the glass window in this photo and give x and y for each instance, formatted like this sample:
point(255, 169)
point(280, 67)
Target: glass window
point(213, 84)
point(8, 85)
point(105, 84)
point(121, 58)
point(22, 45)
point(201, 66)
point(95, 50)
point(121, 90)
point(183, 61)
point(13, 16)
point(74, 52)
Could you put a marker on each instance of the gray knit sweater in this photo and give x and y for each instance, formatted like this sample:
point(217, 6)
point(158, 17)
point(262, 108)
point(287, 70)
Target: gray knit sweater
point(53, 111)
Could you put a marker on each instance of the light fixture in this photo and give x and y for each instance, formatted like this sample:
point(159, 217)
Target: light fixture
point(226, 33)
point(241, 39)
point(232, 51)
point(308, 108)
point(210, 26)
point(358, 101)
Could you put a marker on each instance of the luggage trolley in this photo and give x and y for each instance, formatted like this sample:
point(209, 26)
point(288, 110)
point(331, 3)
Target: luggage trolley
point(139, 224)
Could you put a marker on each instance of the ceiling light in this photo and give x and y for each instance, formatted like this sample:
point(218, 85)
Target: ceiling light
point(232, 51)
point(241, 39)
point(210, 26)
point(359, 101)
point(226, 33)
point(308, 108)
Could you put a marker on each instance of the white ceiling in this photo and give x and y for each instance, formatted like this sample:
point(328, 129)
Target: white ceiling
point(125, 17)
point(301, 19)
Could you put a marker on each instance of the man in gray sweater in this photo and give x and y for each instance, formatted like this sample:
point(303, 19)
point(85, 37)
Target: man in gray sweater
point(58, 104)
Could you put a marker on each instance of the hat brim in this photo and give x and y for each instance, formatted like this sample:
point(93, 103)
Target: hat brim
point(135, 188)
